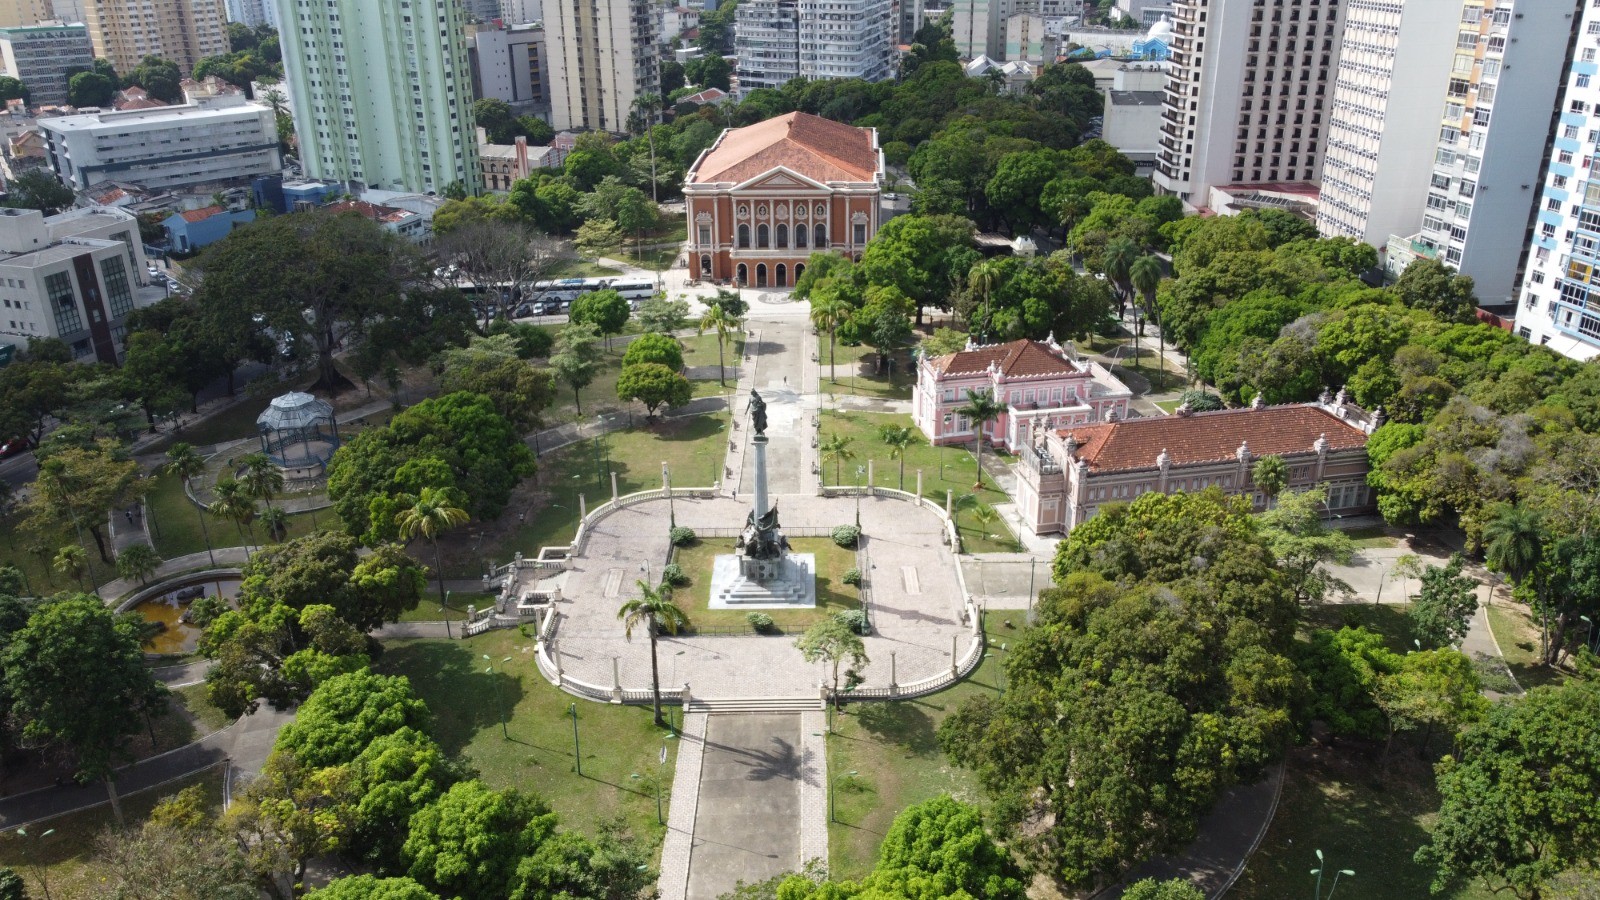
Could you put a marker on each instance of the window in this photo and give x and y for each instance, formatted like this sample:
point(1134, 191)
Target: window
point(860, 234)
point(763, 236)
point(821, 232)
point(783, 236)
point(1583, 81)
point(63, 302)
point(744, 237)
point(705, 235)
point(115, 277)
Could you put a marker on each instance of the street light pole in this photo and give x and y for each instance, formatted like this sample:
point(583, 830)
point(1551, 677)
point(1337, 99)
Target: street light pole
point(577, 752)
point(859, 472)
point(504, 712)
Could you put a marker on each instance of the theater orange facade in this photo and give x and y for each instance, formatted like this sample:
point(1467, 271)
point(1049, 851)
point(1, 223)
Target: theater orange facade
point(764, 198)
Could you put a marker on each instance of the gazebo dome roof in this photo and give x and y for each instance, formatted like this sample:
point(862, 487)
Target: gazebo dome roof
point(293, 410)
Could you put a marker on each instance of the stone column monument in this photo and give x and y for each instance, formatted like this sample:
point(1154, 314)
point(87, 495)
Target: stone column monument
point(763, 573)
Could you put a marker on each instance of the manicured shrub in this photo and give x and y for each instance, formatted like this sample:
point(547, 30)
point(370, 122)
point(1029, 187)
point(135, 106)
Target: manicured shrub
point(855, 619)
point(846, 535)
point(682, 537)
point(674, 575)
point(761, 622)
point(853, 576)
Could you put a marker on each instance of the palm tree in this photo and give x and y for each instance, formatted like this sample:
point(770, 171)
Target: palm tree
point(276, 521)
point(836, 448)
point(1145, 274)
point(72, 561)
point(899, 438)
point(647, 105)
point(984, 276)
point(1116, 262)
point(655, 609)
point(430, 516)
point(233, 501)
point(981, 409)
point(184, 462)
point(1271, 476)
point(725, 324)
point(829, 313)
point(138, 561)
point(262, 479)
point(1513, 544)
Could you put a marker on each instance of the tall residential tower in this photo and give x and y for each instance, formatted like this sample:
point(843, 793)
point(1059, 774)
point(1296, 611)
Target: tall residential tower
point(382, 93)
point(183, 31)
point(777, 40)
point(1246, 93)
point(602, 57)
point(1560, 296)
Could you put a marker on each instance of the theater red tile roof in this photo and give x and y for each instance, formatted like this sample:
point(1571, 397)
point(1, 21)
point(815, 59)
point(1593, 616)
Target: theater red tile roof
point(1016, 359)
point(820, 149)
point(1212, 436)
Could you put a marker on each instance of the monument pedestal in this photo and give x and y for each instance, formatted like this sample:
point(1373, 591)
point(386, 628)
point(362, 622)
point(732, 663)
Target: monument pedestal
point(763, 574)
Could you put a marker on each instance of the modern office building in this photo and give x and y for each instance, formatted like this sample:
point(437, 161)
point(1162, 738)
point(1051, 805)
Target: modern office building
point(1560, 289)
point(1246, 94)
point(507, 64)
point(1396, 61)
point(1499, 119)
point(764, 197)
point(43, 56)
point(24, 12)
point(183, 31)
point(382, 93)
point(600, 55)
point(777, 40)
point(215, 135)
point(72, 276)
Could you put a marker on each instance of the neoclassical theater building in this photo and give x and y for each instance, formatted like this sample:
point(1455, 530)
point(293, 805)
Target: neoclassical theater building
point(764, 197)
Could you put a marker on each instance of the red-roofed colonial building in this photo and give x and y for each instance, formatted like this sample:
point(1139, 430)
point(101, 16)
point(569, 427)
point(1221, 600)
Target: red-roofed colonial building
point(762, 198)
point(1043, 386)
point(1069, 473)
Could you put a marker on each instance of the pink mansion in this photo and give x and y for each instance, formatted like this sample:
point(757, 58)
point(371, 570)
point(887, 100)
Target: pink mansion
point(1043, 387)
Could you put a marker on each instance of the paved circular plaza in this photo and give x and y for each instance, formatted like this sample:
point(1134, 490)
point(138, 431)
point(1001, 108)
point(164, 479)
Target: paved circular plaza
point(916, 601)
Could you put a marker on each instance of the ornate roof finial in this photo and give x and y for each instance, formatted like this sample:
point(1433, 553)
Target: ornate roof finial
point(1243, 453)
point(1163, 460)
point(1259, 402)
point(1320, 444)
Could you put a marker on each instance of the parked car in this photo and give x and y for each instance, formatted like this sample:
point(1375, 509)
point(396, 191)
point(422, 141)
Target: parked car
point(15, 446)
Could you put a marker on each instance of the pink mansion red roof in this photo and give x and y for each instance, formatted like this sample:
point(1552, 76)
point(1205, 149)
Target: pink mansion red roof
point(817, 148)
point(1211, 436)
point(1017, 359)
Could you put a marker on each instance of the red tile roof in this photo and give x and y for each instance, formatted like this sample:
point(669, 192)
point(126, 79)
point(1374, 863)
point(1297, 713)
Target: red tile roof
point(371, 210)
point(820, 149)
point(1017, 359)
point(201, 214)
point(1212, 436)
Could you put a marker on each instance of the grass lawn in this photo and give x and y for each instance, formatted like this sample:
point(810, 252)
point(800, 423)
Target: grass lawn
point(66, 858)
point(1519, 640)
point(1387, 620)
point(701, 350)
point(429, 611)
point(1333, 802)
point(694, 448)
point(176, 529)
point(893, 750)
point(833, 595)
point(193, 699)
point(853, 370)
point(619, 743)
point(1168, 406)
point(660, 258)
point(951, 468)
point(1372, 537)
point(14, 544)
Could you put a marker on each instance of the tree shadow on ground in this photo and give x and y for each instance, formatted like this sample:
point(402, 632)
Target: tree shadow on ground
point(463, 697)
point(904, 725)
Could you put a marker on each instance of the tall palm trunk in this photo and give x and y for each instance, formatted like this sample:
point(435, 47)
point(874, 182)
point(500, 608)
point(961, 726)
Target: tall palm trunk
point(978, 457)
point(204, 531)
point(655, 673)
point(438, 566)
point(722, 365)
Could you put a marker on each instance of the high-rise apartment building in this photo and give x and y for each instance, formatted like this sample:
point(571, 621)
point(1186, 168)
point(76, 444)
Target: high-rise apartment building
point(1246, 95)
point(14, 13)
point(1395, 61)
point(977, 28)
point(183, 31)
point(777, 40)
point(508, 64)
point(1560, 290)
point(1499, 113)
point(42, 56)
point(253, 13)
point(382, 93)
point(602, 56)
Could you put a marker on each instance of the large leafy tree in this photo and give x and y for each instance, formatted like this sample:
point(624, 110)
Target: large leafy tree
point(77, 488)
point(469, 842)
point(456, 441)
point(495, 367)
point(654, 385)
point(605, 310)
point(77, 680)
point(1517, 798)
point(371, 887)
point(1444, 607)
point(654, 348)
point(1303, 542)
point(1156, 678)
point(834, 642)
point(577, 358)
point(346, 714)
point(322, 278)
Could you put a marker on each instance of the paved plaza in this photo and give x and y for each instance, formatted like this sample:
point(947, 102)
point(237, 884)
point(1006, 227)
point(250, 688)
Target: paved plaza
point(915, 611)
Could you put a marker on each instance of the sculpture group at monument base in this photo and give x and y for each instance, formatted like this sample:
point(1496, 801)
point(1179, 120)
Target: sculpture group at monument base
point(792, 582)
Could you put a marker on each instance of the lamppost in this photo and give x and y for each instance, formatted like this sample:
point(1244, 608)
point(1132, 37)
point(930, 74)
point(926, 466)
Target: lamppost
point(577, 752)
point(1033, 567)
point(832, 782)
point(443, 611)
point(605, 443)
point(39, 870)
point(1588, 631)
point(504, 712)
point(860, 470)
point(1318, 872)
